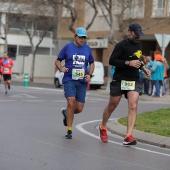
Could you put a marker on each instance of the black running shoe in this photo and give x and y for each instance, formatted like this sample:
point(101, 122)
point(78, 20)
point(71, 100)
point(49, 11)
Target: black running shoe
point(129, 140)
point(9, 87)
point(63, 112)
point(69, 135)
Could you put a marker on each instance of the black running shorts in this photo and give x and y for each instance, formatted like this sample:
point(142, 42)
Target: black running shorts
point(115, 88)
point(7, 77)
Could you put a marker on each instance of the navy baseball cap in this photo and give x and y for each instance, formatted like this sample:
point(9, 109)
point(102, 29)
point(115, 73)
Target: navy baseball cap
point(136, 28)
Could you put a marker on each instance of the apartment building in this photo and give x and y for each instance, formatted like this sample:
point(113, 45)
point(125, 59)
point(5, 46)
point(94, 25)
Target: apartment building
point(13, 22)
point(24, 24)
point(152, 15)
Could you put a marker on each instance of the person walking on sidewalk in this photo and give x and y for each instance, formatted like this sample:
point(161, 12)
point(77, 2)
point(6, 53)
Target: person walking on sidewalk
point(7, 64)
point(126, 57)
point(77, 74)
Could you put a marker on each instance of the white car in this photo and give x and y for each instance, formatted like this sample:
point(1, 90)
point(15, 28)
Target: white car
point(96, 81)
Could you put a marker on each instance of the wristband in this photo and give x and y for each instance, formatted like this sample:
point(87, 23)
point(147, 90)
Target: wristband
point(142, 64)
point(90, 75)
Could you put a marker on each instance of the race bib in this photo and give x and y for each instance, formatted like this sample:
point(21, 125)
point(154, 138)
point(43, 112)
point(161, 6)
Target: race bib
point(127, 85)
point(77, 74)
point(6, 70)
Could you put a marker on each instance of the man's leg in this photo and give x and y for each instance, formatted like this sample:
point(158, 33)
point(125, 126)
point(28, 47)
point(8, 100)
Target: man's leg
point(6, 85)
point(70, 110)
point(73, 107)
point(113, 102)
point(75, 104)
point(0, 77)
point(133, 97)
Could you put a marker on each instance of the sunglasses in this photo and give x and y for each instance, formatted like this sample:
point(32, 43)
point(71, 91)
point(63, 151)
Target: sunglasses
point(83, 37)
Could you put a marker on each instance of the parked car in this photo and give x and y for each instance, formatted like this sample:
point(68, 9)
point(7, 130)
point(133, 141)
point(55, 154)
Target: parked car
point(96, 81)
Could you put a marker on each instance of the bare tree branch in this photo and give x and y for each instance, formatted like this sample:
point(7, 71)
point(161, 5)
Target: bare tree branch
point(93, 5)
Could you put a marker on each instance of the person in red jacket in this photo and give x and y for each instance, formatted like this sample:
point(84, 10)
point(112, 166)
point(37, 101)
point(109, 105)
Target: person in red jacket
point(0, 70)
point(7, 64)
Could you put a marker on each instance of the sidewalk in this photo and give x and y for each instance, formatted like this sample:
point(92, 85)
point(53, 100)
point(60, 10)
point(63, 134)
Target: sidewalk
point(116, 128)
point(144, 97)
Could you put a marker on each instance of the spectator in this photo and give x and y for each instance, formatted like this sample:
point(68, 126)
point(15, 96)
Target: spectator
point(144, 78)
point(0, 69)
point(165, 86)
point(157, 73)
point(112, 70)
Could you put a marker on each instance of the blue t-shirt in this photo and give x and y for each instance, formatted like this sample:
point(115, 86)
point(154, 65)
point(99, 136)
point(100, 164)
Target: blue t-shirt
point(76, 60)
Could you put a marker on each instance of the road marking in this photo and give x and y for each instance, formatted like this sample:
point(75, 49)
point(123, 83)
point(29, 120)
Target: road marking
point(33, 100)
point(7, 100)
point(23, 96)
point(80, 128)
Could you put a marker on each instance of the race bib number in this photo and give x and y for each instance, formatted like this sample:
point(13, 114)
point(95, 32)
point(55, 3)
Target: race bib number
point(127, 85)
point(77, 74)
point(6, 70)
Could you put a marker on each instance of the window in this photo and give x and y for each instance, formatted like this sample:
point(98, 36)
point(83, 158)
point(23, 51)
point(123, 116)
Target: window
point(160, 8)
point(24, 50)
point(43, 51)
point(12, 49)
point(66, 10)
point(135, 9)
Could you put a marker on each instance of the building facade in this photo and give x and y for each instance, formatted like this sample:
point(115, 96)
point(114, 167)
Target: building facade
point(24, 25)
point(152, 15)
point(104, 32)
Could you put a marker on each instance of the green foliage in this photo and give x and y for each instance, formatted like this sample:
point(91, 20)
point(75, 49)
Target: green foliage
point(156, 122)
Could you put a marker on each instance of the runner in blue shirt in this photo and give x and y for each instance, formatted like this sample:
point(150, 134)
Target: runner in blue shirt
point(77, 56)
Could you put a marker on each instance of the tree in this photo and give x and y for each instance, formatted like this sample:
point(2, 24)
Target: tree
point(103, 5)
point(36, 19)
point(6, 8)
point(68, 4)
point(114, 13)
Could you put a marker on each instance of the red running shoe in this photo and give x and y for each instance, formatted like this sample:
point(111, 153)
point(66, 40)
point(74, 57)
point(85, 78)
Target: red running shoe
point(103, 134)
point(129, 140)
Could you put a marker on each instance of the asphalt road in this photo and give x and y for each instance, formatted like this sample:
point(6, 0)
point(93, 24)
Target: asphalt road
point(32, 135)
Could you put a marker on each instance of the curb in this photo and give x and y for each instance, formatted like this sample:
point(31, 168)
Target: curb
point(144, 137)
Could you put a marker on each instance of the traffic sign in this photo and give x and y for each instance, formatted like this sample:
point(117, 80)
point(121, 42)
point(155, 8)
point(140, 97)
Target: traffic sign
point(163, 41)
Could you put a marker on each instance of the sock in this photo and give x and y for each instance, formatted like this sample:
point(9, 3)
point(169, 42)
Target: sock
point(69, 128)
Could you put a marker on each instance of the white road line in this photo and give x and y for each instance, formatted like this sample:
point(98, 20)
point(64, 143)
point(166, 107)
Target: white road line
point(80, 128)
point(23, 96)
point(7, 100)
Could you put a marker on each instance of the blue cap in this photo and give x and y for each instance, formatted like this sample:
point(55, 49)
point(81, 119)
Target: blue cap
point(136, 28)
point(80, 31)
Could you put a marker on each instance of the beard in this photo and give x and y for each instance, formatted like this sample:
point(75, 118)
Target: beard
point(134, 39)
